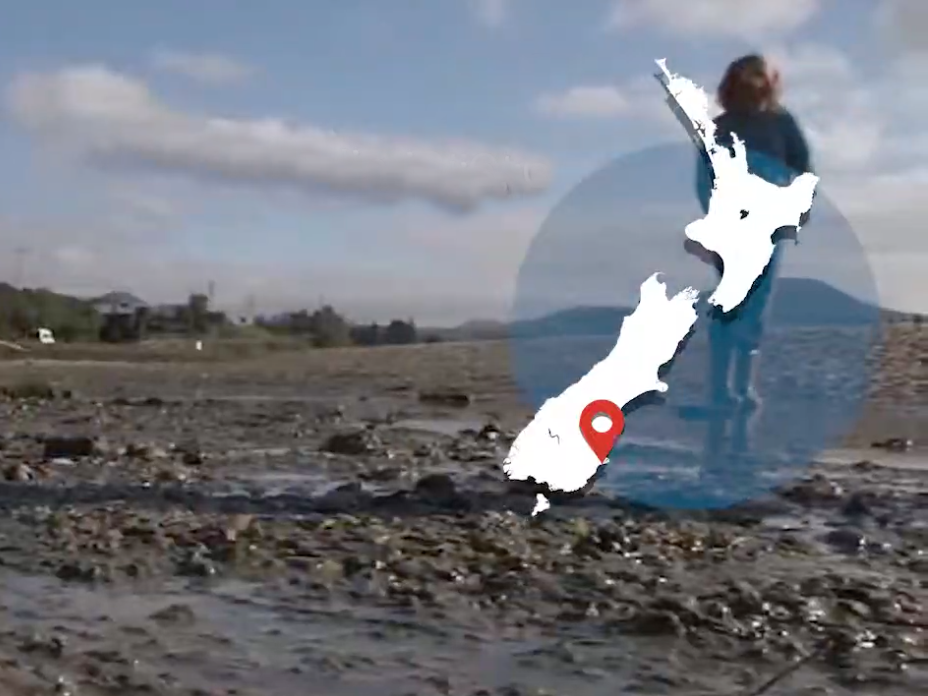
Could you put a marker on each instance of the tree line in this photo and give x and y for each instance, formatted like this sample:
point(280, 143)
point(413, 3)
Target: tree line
point(23, 312)
point(326, 328)
point(72, 319)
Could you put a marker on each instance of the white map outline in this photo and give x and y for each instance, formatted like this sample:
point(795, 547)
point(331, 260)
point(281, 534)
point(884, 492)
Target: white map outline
point(744, 242)
point(551, 449)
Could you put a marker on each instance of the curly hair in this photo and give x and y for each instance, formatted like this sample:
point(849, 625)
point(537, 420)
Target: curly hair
point(749, 85)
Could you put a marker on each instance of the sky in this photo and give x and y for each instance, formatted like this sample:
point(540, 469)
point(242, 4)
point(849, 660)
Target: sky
point(397, 158)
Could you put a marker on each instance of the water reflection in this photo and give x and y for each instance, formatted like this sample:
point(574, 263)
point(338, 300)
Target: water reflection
point(727, 456)
point(582, 276)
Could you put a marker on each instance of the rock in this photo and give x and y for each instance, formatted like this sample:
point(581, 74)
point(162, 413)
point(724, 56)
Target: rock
point(174, 614)
point(851, 607)
point(76, 571)
point(19, 473)
point(330, 570)
point(846, 540)
point(858, 505)
point(192, 458)
point(658, 623)
point(446, 398)
point(71, 447)
point(345, 498)
point(32, 389)
point(53, 647)
point(438, 489)
point(64, 687)
point(814, 490)
point(102, 447)
point(381, 474)
point(351, 443)
point(190, 453)
point(239, 525)
point(893, 444)
point(171, 474)
point(426, 450)
point(196, 564)
point(138, 450)
point(489, 433)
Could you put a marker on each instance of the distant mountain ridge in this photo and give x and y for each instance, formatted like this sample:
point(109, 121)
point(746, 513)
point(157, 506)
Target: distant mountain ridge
point(796, 302)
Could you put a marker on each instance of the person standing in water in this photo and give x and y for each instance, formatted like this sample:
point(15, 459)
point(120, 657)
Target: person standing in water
point(777, 151)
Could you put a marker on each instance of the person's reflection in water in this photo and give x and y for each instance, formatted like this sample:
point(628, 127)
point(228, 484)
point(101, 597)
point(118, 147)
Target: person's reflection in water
point(727, 461)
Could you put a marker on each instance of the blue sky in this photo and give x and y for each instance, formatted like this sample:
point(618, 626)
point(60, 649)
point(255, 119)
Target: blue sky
point(398, 157)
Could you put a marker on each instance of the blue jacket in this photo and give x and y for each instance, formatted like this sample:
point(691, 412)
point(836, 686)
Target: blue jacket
point(776, 148)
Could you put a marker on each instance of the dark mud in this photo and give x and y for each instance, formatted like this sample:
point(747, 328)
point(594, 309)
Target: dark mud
point(316, 526)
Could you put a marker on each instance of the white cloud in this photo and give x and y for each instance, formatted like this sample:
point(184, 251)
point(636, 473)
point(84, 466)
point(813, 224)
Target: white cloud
point(139, 204)
point(869, 142)
point(809, 60)
point(74, 256)
point(905, 23)
point(857, 122)
point(849, 120)
point(111, 119)
point(491, 13)
point(887, 214)
point(837, 108)
point(584, 101)
point(638, 98)
point(739, 18)
point(210, 68)
point(487, 248)
point(443, 270)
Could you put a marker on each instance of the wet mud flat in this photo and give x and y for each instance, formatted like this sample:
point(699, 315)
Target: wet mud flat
point(338, 523)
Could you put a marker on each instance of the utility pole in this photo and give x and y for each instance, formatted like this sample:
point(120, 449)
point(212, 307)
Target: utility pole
point(250, 303)
point(211, 295)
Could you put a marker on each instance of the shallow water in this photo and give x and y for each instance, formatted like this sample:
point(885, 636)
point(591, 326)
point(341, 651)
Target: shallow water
point(284, 635)
point(439, 426)
point(253, 640)
point(243, 637)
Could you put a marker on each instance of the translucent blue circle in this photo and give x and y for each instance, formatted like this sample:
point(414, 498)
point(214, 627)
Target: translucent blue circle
point(582, 274)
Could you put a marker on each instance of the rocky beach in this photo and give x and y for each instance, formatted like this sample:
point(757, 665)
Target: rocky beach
point(337, 522)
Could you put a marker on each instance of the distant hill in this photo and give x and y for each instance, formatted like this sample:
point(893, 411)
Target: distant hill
point(481, 329)
point(576, 321)
point(796, 302)
point(23, 310)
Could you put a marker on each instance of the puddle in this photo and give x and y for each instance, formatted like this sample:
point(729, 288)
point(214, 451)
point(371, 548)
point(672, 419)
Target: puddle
point(908, 461)
point(276, 483)
point(245, 640)
point(450, 427)
point(203, 394)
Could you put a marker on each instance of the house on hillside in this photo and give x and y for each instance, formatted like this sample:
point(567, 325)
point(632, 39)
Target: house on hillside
point(124, 316)
point(119, 302)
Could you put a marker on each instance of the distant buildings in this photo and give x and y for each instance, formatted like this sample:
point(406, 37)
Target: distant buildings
point(119, 303)
point(124, 316)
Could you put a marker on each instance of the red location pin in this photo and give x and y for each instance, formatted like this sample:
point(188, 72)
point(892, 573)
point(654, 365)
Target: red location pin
point(601, 443)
